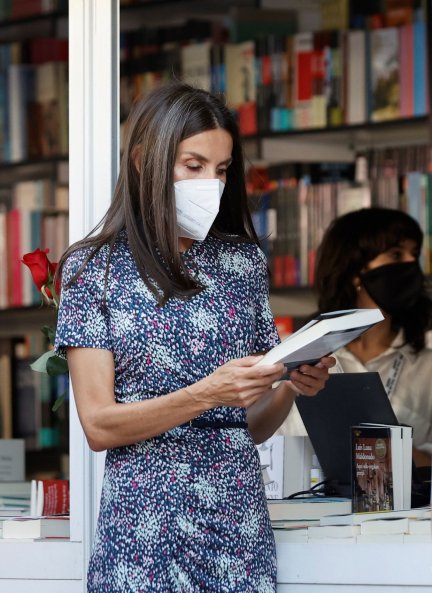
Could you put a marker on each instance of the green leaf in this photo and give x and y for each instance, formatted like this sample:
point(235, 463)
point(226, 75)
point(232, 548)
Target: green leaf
point(56, 366)
point(40, 365)
point(49, 332)
point(59, 402)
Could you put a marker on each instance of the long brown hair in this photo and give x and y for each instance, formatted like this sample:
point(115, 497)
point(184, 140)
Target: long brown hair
point(143, 203)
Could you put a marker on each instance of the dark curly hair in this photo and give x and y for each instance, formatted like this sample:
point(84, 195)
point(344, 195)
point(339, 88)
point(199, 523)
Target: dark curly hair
point(349, 244)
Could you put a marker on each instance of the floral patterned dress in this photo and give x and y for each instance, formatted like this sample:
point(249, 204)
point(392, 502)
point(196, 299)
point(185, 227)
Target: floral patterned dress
point(183, 512)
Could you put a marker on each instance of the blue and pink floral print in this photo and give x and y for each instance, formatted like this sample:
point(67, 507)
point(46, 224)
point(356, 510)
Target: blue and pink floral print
point(183, 512)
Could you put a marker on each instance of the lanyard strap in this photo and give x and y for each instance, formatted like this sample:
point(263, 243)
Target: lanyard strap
point(394, 374)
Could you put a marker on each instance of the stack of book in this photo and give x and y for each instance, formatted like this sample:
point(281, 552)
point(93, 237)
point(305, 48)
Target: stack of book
point(308, 508)
point(44, 516)
point(405, 526)
point(14, 498)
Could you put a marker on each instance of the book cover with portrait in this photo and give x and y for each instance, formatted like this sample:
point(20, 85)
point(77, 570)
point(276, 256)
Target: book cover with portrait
point(372, 484)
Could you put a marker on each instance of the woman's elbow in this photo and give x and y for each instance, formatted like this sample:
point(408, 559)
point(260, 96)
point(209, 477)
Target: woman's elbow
point(258, 436)
point(97, 438)
point(95, 445)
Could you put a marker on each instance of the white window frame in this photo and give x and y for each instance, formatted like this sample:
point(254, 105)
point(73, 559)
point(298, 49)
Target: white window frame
point(31, 567)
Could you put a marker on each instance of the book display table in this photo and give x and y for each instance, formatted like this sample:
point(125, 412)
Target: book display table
point(328, 567)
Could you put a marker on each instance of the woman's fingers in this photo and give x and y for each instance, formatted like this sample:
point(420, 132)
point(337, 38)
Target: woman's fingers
point(309, 380)
point(239, 382)
point(326, 362)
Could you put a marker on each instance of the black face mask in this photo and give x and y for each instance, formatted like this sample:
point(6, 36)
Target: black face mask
point(394, 287)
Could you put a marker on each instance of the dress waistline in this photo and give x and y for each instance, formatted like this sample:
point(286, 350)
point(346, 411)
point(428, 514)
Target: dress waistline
point(217, 424)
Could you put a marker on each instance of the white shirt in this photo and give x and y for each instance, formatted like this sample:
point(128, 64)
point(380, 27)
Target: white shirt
point(411, 396)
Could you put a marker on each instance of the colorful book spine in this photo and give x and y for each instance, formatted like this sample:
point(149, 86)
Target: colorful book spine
point(420, 76)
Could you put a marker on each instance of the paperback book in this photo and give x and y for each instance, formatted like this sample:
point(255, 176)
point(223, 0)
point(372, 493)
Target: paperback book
point(381, 467)
point(320, 337)
point(36, 528)
point(49, 497)
point(357, 518)
point(307, 508)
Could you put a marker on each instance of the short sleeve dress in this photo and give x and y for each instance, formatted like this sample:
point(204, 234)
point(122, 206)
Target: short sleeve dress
point(183, 512)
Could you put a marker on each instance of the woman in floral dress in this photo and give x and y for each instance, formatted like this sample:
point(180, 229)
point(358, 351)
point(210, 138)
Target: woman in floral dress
point(163, 314)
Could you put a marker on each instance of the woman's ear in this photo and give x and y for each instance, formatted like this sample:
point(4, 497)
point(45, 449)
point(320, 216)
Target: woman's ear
point(357, 283)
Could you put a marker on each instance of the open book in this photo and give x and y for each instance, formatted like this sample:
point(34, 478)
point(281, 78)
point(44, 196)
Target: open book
point(322, 336)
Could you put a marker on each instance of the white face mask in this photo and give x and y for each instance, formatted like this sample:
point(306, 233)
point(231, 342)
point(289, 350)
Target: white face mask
point(197, 205)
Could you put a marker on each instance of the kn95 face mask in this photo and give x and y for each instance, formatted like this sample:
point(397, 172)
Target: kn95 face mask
point(197, 205)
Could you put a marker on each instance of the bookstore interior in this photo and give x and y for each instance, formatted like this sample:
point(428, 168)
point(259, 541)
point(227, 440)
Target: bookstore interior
point(333, 101)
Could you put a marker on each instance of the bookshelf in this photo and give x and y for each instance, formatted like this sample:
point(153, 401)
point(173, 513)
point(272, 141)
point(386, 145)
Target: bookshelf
point(33, 213)
point(268, 145)
point(93, 25)
point(302, 93)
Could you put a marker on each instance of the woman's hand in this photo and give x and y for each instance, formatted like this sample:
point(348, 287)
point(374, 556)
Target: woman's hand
point(309, 380)
point(237, 383)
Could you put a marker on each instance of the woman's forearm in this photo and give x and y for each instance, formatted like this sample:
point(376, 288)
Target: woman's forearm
point(108, 424)
point(267, 414)
point(118, 424)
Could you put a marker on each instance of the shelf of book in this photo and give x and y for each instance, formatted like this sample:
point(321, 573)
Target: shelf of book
point(33, 214)
point(164, 10)
point(21, 320)
point(33, 162)
point(416, 122)
point(343, 141)
point(30, 19)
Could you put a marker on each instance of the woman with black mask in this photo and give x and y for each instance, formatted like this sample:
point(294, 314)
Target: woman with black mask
point(370, 258)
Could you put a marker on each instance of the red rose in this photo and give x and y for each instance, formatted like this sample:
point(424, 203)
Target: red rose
point(42, 270)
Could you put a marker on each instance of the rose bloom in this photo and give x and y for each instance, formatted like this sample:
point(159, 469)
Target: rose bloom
point(42, 270)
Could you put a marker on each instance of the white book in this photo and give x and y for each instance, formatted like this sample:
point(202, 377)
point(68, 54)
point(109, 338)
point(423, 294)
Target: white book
point(333, 531)
point(271, 453)
point(322, 336)
point(286, 465)
point(385, 526)
point(306, 508)
point(15, 489)
point(195, 64)
point(358, 518)
point(240, 73)
point(380, 538)
point(356, 108)
point(420, 527)
point(409, 538)
point(13, 511)
point(37, 528)
point(298, 535)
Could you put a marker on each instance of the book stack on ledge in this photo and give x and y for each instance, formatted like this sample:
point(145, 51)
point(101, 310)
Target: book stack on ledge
point(404, 527)
point(14, 498)
point(306, 509)
point(45, 517)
